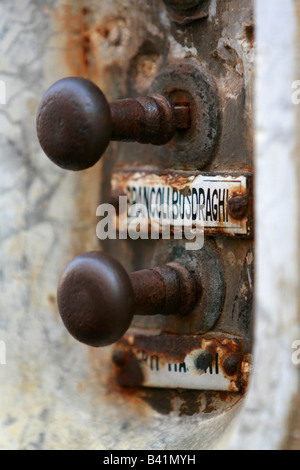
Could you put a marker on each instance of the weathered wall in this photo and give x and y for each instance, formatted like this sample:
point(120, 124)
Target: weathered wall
point(270, 418)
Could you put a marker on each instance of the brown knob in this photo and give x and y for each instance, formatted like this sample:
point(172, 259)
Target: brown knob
point(97, 299)
point(182, 4)
point(75, 123)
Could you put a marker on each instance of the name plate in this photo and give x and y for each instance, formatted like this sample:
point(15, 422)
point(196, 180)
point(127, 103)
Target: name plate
point(210, 362)
point(217, 203)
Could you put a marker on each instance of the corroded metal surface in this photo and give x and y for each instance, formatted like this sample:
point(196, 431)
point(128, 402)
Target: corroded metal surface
point(151, 119)
point(75, 123)
point(170, 289)
point(189, 81)
point(219, 203)
point(171, 361)
point(184, 12)
point(225, 50)
point(209, 274)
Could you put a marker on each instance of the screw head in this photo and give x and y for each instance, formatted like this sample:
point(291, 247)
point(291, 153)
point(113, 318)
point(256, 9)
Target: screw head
point(120, 358)
point(231, 364)
point(238, 206)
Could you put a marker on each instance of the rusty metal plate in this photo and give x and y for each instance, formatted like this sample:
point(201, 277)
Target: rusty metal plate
point(217, 203)
point(211, 362)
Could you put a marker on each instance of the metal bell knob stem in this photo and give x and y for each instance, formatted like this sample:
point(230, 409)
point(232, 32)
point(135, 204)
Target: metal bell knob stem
point(182, 4)
point(75, 123)
point(97, 299)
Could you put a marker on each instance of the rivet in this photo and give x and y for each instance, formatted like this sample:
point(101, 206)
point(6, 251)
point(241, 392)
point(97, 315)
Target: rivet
point(231, 364)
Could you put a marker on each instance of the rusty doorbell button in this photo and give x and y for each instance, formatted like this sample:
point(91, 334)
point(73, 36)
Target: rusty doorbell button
point(97, 299)
point(185, 12)
point(75, 123)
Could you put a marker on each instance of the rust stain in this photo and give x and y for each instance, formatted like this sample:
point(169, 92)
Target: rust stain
point(189, 402)
point(159, 400)
point(103, 379)
point(79, 55)
point(130, 373)
point(239, 199)
point(250, 34)
point(174, 349)
point(80, 47)
point(162, 401)
point(179, 180)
